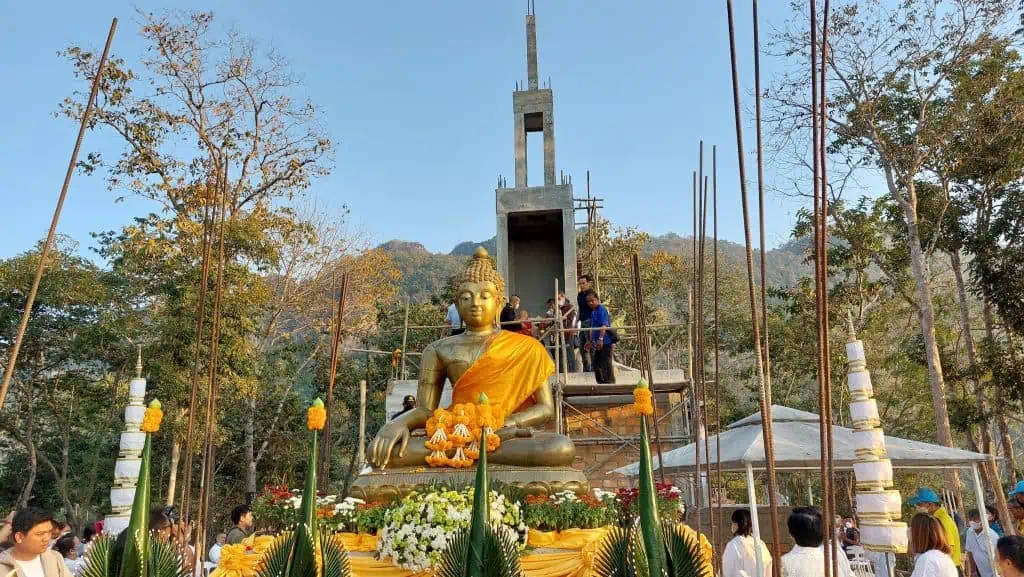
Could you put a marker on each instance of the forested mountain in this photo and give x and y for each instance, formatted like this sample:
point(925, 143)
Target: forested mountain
point(424, 273)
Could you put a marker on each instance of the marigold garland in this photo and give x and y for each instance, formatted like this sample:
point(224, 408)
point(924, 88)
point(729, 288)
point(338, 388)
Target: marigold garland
point(463, 428)
point(152, 417)
point(316, 416)
point(643, 402)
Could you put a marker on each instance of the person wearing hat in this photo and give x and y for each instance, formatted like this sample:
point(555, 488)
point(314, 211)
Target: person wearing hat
point(408, 404)
point(1016, 498)
point(926, 501)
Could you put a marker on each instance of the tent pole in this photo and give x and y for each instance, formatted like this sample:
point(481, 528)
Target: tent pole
point(754, 521)
point(979, 494)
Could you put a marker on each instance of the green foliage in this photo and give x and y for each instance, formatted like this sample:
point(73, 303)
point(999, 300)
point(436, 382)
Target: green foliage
point(498, 554)
point(559, 515)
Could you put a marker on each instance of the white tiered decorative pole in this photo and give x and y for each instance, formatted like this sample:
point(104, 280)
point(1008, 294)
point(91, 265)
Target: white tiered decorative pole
point(126, 468)
point(878, 506)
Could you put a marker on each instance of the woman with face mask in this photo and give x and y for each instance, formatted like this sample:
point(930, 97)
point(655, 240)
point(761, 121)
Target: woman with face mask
point(739, 558)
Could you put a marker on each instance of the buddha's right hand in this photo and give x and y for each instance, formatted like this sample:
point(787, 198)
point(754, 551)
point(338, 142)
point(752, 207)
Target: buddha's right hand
point(390, 435)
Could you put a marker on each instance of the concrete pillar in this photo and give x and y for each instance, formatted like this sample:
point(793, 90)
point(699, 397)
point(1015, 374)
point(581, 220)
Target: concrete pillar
point(531, 51)
point(519, 144)
point(549, 146)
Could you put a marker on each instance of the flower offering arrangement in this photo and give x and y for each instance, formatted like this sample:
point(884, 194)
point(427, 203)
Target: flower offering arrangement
point(455, 435)
point(420, 526)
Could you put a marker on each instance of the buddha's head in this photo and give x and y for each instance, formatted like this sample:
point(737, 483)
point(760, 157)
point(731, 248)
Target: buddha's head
point(481, 293)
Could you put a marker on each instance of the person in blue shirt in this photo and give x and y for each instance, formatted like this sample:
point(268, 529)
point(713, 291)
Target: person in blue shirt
point(585, 284)
point(601, 342)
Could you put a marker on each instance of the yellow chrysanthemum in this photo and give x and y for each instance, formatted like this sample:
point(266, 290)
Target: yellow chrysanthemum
point(316, 416)
point(152, 417)
point(236, 562)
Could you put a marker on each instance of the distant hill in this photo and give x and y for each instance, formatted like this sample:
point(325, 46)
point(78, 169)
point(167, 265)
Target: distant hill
point(467, 248)
point(425, 273)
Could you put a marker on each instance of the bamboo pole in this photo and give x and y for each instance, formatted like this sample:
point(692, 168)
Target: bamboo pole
point(48, 244)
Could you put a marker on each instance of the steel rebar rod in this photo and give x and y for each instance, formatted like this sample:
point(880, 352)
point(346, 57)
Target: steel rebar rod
point(335, 349)
point(209, 217)
point(766, 410)
point(48, 244)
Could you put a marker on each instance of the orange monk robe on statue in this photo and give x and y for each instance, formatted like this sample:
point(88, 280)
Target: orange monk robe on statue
point(509, 372)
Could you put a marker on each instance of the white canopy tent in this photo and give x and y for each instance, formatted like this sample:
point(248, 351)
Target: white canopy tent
point(797, 447)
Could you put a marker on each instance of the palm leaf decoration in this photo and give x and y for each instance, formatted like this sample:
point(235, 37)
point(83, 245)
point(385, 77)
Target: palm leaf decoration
point(101, 561)
point(308, 551)
point(164, 560)
point(134, 553)
point(481, 550)
point(648, 548)
point(275, 558)
point(616, 556)
point(685, 558)
point(335, 557)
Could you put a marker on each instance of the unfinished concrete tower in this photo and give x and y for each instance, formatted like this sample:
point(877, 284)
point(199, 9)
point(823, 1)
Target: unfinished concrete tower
point(536, 234)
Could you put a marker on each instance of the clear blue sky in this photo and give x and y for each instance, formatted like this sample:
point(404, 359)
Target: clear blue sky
point(418, 96)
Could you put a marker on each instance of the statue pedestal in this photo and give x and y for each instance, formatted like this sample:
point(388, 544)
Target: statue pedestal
point(388, 484)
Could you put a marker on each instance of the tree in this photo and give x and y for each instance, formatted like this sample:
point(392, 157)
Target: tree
point(210, 122)
point(887, 68)
point(65, 401)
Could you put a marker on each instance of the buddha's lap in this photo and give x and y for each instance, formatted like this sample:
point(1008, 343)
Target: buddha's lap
point(515, 449)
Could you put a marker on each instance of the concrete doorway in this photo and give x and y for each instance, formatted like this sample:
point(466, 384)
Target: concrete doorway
point(536, 256)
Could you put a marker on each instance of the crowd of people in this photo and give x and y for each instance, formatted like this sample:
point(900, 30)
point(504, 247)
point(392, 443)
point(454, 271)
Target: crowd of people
point(938, 546)
point(35, 544)
point(586, 329)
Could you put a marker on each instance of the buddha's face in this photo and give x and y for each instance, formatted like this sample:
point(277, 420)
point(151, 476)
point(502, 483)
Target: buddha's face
point(478, 304)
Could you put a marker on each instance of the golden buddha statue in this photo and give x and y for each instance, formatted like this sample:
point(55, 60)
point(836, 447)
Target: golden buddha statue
point(512, 369)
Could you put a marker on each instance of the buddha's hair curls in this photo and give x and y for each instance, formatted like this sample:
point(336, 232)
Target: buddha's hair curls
point(481, 269)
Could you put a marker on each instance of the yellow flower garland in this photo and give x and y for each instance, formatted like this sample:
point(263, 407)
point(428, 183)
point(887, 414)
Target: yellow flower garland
point(316, 416)
point(152, 417)
point(643, 400)
point(464, 429)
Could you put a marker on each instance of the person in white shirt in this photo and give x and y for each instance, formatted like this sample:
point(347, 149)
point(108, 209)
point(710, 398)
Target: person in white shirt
point(31, 555)
point(67, 546)
point(976, 547)
point(807, 558)
point(453, 320)
point(928, 543)
point(214, 555)
point(740, 556)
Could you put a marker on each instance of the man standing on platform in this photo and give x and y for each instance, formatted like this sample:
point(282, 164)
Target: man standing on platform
point(926, 501)
point(569, 336)
point(585, 284)
point(510, 314)
point(601, 342)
